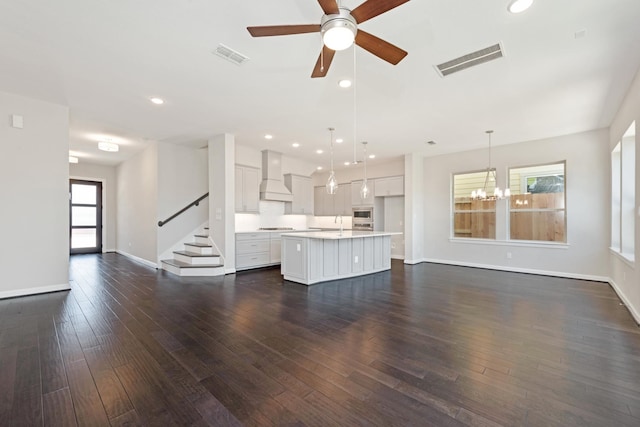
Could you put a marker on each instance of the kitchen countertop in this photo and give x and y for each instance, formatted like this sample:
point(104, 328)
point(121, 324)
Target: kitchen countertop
point(336, 235)
point(277, 231)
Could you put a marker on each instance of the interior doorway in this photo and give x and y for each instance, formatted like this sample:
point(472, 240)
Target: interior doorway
point(85, 216)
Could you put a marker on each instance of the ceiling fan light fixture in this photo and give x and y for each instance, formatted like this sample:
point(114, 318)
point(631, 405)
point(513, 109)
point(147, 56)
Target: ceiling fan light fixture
point(518, 6)
point(339, 30)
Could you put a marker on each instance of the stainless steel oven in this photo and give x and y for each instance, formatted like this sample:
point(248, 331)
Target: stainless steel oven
point(363, 219)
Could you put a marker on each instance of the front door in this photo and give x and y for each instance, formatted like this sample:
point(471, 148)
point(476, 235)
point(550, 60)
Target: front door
point(85, 211)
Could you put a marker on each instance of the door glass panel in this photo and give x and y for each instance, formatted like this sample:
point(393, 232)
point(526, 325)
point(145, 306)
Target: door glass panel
point(83, 238)
point(83, 194)
point(83, 215)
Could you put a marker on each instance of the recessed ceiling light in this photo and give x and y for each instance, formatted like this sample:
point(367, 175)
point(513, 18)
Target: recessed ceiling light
point(108, 146)
point(344, 83)
point(295, 145)
point(372, 156)
point(517, 6)
point(267, 136)
point(339, 141)
point(157, 101)
point(347, 163)
point(73, 159)
point(319, 151)
point(319, 168)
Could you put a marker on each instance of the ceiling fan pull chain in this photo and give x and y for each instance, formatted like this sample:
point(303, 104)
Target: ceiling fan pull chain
point(355, 109)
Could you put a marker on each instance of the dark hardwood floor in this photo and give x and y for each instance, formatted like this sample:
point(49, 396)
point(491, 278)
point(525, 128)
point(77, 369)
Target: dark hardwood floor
point(419, 345)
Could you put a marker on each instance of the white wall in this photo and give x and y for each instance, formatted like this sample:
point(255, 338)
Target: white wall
point(34, 170)
point(587, 187)
point(375, 169)
point(625, 277)
point(106, 175)
point(137, 217)
point(182, 178)
point(251, 157)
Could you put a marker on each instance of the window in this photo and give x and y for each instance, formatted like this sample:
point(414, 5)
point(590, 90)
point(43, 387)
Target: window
point(623, 189)
point(473, 218)
point(537, 204)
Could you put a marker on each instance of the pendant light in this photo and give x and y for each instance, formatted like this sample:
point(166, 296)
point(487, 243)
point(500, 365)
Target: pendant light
point(364, 190)
point(332, 184)
point(481, 193)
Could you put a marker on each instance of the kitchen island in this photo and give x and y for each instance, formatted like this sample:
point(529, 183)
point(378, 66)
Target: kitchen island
point(314, 257)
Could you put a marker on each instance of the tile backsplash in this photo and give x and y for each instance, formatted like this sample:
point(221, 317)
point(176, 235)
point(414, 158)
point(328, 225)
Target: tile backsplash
point(272, 215)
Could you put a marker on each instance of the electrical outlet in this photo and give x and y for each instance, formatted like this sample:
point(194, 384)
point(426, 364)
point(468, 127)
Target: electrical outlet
point(508, 255)
point(355, 260)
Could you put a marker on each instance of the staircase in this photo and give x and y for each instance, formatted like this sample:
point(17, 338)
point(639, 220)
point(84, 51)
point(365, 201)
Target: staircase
point(197, 259)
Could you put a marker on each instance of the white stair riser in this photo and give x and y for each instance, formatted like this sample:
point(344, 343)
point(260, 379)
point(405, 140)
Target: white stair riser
point(197, 260)
point(193, 272)
point(203, 240)
point(198, 250)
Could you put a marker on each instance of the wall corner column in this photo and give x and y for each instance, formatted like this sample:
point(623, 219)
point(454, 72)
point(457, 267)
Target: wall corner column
point(414, 216)
point(222, 197)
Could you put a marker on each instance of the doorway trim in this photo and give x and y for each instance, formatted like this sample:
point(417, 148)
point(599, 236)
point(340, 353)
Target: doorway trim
point(100, 217)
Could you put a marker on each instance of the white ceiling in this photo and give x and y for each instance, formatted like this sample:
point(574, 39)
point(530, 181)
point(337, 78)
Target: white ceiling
point(106, 58)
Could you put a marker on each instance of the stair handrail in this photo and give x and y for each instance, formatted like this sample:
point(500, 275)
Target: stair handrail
point(194, 203)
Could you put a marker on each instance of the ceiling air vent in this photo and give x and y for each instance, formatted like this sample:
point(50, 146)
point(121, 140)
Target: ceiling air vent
point(230, 55)
point(471, 59)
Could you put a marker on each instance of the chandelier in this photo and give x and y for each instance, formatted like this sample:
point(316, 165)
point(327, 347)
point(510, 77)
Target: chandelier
point(481, 193)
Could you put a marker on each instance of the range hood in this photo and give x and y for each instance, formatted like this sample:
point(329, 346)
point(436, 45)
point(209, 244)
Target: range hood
point(272, 186)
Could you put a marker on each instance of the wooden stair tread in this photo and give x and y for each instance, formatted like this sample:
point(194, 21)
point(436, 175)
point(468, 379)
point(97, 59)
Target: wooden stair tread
point(181, 264)
point(193, 254)
point(199, 245)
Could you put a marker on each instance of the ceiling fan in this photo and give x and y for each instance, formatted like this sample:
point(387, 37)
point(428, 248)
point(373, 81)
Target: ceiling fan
point(339, 29)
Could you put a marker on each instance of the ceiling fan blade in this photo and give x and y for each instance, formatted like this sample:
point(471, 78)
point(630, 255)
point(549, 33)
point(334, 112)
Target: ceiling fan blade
point(380, 48)
point(283, 30)
point(372, 8)
point(329, 7)
point(322, 64)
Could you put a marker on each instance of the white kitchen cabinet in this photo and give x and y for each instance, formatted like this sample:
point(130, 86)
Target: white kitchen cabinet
point(356, 200)
point(252, 250)
point(333, 204)
point(391, 186)
point(303, 196)
point(344, 191)
point(319, 204)
point(247, 191)
point(275, 248)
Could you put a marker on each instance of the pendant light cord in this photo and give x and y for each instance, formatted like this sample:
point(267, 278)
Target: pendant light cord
point(331, 145)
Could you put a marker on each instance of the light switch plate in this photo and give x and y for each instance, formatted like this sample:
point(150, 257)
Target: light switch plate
point(17, 121)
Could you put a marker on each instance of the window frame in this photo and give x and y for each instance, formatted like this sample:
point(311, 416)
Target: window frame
point(453, 210)
point(565, 208)
point(624, 205)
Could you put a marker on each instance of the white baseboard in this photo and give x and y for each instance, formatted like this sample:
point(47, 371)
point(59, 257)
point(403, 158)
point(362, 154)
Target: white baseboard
point(138, 259)
point(414, 261)
point(230, 271)
point(400, 257)
point(625, 300)
point(520, 270)
point(34, 291)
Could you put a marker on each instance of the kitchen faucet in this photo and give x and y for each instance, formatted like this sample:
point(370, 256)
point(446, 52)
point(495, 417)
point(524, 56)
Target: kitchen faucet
point(336, 221)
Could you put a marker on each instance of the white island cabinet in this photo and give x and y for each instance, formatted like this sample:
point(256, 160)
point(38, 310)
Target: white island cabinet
point(315, 257)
